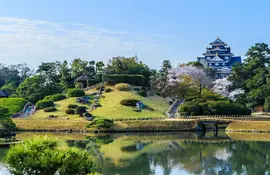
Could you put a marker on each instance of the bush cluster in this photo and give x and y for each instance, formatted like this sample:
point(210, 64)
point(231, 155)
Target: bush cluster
point(50, 109)
point(70, 111)
point(142, 93)
point(75, 92)
point(129, 102)
point(80, 110)
point(113, 79)
point(42, 104)
point(100, 123)
point(56, 97)
point(203, 107)
point(123, 87)
point(108, 90)
point(72, 106)
point(14, 105)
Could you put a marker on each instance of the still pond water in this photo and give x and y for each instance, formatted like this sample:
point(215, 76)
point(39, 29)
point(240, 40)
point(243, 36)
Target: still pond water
point(170, 153)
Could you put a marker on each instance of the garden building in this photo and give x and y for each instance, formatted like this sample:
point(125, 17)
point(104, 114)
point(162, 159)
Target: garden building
point(3, 94)
point(220, 58)
point(82, 81)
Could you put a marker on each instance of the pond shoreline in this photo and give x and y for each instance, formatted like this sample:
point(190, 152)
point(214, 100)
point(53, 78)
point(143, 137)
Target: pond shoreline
point(136, 126)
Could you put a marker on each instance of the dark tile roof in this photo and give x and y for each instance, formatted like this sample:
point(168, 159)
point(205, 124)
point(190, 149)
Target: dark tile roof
point(3, 94)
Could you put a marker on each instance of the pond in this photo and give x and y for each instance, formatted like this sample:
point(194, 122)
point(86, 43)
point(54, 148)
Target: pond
point(179, 153)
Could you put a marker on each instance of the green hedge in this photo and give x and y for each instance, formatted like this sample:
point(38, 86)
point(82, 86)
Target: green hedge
point(75, 93)
point(93, 82)
point(42, 104)
point(113, 79)
point(203, 107)
point(14, 105)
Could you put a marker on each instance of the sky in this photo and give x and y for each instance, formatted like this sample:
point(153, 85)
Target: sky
point(35, 31)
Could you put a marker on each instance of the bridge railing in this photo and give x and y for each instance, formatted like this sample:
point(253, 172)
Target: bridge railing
point(235, 117)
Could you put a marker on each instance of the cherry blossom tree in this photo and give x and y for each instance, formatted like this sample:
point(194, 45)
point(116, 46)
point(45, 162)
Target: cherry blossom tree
point(222, 87)
point(190, 77)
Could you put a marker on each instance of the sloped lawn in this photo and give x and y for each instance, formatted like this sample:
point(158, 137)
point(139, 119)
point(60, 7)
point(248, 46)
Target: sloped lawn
point(112, 109)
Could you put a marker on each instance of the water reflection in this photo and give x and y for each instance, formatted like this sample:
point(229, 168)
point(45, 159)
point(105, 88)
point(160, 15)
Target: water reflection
point(173, 153)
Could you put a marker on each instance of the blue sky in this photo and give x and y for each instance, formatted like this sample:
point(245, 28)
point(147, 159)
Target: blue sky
point(34, 31)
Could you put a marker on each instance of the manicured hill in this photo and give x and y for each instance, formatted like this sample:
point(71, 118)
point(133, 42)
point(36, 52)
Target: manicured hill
point(112, 109)
point(13, 104)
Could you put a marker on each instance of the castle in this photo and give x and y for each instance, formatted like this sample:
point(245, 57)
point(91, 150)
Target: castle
point(219, 58)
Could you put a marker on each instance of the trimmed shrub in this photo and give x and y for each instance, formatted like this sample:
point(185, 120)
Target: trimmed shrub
point(198, 107)
point(75, 93)
point(50, 109)
point(80, 110)
point(42, 104)
point(129, 102)
point(48, 97)
point(72, 106)
point(70, 111)
point(123, 87)
point(100, 123)
point(113, 79)
point(58, 97)
point(108, 90)
point(142, 93)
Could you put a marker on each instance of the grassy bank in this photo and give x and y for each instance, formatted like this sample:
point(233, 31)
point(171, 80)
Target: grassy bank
point(118, 126)
point(49, 125)
point(249, 126)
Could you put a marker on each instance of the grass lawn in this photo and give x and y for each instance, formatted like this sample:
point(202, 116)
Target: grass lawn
point(263, 126)
point(61, 111)
point(37, 124)
point(112, 109)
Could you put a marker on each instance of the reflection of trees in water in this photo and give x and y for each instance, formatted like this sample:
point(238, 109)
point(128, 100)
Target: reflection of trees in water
point(193, 157)
point(250, 157)
point(92, 146)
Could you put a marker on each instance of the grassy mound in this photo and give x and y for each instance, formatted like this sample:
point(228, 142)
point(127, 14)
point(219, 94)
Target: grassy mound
point(13, 104)
point(112, 109)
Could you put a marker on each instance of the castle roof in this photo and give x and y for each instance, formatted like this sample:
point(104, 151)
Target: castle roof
point(218, 42)
point(216, 59)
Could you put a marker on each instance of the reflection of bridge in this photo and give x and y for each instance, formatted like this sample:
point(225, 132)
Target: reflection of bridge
point(211, 124)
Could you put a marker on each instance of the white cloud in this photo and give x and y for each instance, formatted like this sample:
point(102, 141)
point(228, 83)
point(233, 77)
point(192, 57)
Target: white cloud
point(33, 42)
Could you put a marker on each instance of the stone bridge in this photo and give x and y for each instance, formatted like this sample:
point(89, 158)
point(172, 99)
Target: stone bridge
point(212, 124)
